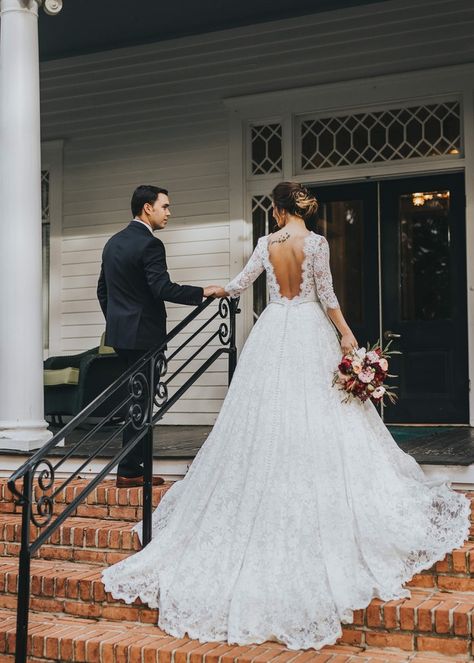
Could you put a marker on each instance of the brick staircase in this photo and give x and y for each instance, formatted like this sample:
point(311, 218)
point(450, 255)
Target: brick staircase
point(73, 619)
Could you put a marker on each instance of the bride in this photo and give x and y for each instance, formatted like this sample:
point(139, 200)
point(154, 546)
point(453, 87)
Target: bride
point(298, 509)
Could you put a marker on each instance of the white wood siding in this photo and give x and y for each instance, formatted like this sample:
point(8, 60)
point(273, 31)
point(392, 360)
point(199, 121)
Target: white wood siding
point(155, 114)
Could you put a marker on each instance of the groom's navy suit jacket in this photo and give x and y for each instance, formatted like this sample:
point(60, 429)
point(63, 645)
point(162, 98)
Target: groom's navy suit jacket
point(133, 285)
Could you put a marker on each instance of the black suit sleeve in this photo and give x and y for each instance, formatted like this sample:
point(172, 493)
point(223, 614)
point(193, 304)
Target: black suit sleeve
point(158, 279)
point(102, 292)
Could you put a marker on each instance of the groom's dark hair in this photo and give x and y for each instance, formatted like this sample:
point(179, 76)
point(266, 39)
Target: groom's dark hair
point(145, 193)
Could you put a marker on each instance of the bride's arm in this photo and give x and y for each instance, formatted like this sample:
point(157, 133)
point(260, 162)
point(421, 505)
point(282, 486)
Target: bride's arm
point(327, 297)
point(348, 340)
point(247, 276)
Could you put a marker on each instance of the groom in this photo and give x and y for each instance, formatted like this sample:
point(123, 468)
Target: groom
point(133, 285)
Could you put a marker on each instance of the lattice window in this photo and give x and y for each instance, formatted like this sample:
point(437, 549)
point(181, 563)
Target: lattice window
point(401, 133)
point(45, 228)
point(266, 149)
point(262, 224)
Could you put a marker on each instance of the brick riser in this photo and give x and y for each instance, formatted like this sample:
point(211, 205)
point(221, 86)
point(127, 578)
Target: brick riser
point(106, 496)
point(105, 542)
point(78, 539)
point(104, 502)
point(454, 573)
point(102, 541)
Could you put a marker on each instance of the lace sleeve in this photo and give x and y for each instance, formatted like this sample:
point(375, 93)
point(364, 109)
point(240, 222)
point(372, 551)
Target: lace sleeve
point(247, 276)
point(322, 275)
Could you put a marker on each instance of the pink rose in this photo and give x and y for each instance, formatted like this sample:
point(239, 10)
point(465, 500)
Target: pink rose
point(356, 366)
point(383, 363)
point(366, 375)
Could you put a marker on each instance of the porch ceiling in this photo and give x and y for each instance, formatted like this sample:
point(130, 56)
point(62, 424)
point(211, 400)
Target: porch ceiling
point(85, 27)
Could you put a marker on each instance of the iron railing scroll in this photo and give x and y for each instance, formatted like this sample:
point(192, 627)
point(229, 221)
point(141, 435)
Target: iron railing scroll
point(138, 399)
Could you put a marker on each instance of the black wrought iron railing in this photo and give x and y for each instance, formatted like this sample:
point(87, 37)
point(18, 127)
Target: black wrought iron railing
point(138, 399)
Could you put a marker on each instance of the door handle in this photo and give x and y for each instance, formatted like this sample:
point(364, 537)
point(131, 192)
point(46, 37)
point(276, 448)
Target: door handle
point(389, 335)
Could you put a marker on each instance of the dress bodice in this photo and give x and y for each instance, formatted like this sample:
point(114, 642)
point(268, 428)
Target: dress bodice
point(316, 279)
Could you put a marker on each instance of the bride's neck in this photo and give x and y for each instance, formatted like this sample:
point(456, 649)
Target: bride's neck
point(295, 223)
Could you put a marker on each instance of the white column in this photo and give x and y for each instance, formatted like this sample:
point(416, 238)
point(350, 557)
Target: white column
point(22, 424)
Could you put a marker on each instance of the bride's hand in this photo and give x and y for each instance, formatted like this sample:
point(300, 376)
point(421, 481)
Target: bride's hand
point(214, 291)
point(220, 292)
point(348, 342)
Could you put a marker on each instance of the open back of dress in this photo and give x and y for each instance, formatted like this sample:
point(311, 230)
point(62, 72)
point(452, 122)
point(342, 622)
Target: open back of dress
point(297, 268)
point(287, 258)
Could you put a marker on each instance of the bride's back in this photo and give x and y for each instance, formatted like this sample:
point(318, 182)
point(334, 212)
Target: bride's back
point(286, 254)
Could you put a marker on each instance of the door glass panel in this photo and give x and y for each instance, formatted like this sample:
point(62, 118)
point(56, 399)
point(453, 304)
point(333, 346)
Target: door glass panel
point(262, 224)
point(341, 222)
point(425, 268)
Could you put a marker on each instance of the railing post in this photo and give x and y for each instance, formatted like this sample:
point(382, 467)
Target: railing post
point(233, 306)
point(148, 459)
point(21, 647)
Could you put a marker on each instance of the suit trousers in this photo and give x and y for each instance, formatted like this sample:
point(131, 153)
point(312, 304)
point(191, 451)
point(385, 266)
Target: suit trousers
point(132, 464)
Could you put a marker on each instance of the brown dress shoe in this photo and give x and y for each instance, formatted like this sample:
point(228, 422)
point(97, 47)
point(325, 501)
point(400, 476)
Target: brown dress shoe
point(135, 482)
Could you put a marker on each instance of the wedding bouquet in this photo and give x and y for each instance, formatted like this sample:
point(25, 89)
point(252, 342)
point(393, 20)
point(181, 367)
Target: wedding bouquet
point(362, 373)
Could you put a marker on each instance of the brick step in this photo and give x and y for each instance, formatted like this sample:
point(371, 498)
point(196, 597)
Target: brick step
point(107, 541)
point(87, 540)
point(445, 617)
point(109, 502)
point(63, 638)
point(106, 501)
point(454, 573)
point(70, 588)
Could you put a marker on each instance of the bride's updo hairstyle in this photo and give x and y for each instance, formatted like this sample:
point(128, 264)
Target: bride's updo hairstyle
point(295, 199)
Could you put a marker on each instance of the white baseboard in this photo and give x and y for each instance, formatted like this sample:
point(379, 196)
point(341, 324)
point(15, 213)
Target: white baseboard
point(461, 476)
point(169, 469)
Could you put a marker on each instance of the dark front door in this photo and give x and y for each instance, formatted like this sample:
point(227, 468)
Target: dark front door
point(347, 217)
point(424, 297)
point(399, 268)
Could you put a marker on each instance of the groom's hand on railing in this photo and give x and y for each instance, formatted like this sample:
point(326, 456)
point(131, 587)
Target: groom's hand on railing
point(214, 291)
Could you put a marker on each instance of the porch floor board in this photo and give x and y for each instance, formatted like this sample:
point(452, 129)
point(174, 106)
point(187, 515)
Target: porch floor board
point(433, 445)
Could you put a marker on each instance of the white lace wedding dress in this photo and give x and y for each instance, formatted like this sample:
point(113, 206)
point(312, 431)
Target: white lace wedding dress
point(298, 509)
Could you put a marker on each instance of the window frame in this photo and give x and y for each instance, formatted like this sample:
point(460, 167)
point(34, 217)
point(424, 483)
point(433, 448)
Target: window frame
point(52, 161)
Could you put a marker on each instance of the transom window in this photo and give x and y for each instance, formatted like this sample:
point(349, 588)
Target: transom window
point(266, 149)
point(427, 131)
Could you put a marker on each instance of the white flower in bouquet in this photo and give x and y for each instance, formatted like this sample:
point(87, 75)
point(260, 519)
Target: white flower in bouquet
point(372, 357)
point(378, 392)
